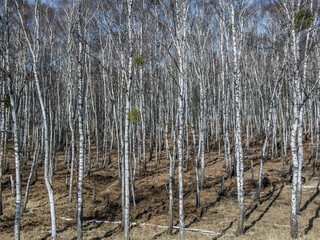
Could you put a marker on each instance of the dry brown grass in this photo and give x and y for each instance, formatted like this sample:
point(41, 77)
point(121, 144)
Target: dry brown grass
point(267, 219)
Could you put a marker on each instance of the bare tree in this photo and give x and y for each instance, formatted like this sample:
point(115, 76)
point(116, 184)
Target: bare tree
point(15, 128)
point(34, 48)
point(180, 13)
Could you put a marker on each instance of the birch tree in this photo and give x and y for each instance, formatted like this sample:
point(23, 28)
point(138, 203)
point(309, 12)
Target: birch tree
point(238, 108)
point(15, 128)
point(180, 13)
point(126, 131)
point(80, 38)
point(35, 50)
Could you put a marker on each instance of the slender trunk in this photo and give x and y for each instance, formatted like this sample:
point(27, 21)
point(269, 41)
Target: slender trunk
point(238, 140)
point(294, 132)
point(34, 162)
point(181, 14)
point(15, 128)
point(126, 131)
point(196, 162)
point(170, 228)
point(2, 147)
point(35, 50)
point(80, 122)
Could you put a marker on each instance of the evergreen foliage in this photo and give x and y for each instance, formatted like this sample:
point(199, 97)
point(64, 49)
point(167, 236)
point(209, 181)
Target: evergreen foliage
point(303, 19)
point(6, 102)
point(138, 62)
point(134, 116)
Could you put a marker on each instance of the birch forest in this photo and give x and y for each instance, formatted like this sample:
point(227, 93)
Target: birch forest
point(159, 119)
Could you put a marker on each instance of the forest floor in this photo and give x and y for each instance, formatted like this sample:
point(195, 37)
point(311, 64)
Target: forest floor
point(268, 218)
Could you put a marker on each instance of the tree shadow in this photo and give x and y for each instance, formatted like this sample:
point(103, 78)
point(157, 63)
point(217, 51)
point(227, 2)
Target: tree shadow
point(158, 235)
point(174, 232)
point(92, 227)
point(310, 226)
point(305, 206)
point(108, 234)
point(251, 211)
point(206, 208)
point(265, 211)
point(268, 196)
point(225, 230)
point(310, 158)
point(248, 167)
point(48, 236)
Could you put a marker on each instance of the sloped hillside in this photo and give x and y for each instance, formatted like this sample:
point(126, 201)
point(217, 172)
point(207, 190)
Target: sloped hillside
point(268, 218)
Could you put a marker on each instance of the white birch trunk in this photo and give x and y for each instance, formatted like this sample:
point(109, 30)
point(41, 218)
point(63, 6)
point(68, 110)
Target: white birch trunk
point(126, 131)
point(35, 54)
point(238, 103)
point(78, 8)
point(15, 128)
point(34, 163)
point(294, 129)
point(181, 13)
point(196, 161)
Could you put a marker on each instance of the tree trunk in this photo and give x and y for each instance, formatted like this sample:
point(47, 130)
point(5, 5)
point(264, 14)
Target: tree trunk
point(78, 7)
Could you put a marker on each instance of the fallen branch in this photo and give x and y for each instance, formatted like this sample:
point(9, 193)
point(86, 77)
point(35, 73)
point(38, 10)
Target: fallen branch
point(176, 227)
point(253, 156)
point(93, 220)
point(203, 231)
point(246, 193)
point(286, 226)
point(314, 178)
point(211, 233)
point(212, 181)
point(310, 187)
